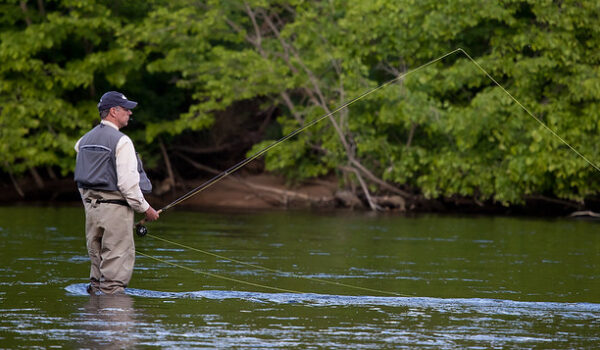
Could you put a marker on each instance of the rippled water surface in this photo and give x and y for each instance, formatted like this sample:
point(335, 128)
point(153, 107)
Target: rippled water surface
point(306, 280)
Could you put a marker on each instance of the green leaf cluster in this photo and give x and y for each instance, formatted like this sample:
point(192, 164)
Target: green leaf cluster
point(51, 59)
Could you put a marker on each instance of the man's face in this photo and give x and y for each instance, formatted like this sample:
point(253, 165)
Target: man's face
point(121, 115)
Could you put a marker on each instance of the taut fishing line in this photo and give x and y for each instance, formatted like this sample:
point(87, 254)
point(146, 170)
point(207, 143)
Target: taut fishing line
point(142, 231)
point(289, 274)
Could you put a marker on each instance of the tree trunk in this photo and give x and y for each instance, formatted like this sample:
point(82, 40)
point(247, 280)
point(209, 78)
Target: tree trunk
point(23, 6)
point(36, 177)
point(41, 8)
point(170, 176)
point(14, 181)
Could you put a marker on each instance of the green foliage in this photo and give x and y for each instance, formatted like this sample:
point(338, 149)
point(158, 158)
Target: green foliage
point(443, 130)
point(49, 63)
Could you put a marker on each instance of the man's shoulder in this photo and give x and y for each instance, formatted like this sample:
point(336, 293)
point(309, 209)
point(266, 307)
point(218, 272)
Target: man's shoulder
point(109, 129)
point(125, 141)
point(103, 134)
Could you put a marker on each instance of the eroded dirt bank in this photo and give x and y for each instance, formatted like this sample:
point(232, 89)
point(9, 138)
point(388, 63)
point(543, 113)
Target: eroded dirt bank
point(266, 191)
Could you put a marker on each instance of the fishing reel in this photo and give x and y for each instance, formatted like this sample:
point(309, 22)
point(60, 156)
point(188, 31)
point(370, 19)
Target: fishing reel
point(141, 230)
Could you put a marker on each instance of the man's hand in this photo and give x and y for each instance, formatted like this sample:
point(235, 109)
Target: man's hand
point(151, 214)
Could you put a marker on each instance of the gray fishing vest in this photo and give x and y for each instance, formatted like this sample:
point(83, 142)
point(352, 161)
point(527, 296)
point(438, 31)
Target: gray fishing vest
point(96, 166)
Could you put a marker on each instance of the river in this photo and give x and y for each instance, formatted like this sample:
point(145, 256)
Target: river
point(284, 279)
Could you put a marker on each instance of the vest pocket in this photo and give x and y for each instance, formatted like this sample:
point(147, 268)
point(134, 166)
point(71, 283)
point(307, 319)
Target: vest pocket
point(145, 184)
point(93, 166)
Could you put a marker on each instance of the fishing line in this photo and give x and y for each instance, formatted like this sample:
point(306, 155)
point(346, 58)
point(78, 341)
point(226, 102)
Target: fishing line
point(528, 112)
point(277, 271)
point(142, 231)
point(219, 276)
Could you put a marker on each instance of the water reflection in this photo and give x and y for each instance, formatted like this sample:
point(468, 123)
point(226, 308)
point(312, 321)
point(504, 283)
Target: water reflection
point(111, 321)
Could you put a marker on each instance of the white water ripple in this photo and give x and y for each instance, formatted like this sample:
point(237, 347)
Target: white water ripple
point(580, 311)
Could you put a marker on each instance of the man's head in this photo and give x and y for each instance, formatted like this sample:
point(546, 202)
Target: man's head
point(114, 99)
point(116, 108)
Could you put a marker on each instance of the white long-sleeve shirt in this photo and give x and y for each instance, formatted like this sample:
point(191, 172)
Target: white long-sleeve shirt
point(128, 177)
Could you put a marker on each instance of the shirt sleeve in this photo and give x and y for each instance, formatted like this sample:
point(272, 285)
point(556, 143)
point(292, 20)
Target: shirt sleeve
point(128, 177)
point(77, 146)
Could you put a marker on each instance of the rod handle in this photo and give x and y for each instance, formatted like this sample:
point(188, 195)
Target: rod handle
point(140, 229)
point(143, 221)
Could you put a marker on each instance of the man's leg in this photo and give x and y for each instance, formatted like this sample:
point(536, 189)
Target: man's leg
point(93, 234)
point(118, 249)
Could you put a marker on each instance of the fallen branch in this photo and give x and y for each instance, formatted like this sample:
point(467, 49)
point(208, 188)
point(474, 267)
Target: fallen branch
point(554, 200)
point(286, 194)
point(207, 150)
point(585, 213)
point(380, 182)
point(363, 185)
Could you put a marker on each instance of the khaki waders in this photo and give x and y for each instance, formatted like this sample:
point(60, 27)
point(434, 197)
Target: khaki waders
point(109, 236)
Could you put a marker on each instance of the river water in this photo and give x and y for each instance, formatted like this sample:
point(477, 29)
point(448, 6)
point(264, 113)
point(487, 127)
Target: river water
point(335, 280)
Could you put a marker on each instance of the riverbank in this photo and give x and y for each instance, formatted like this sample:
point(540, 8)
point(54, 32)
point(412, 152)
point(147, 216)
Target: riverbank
point(267, 191)
point(263, 191)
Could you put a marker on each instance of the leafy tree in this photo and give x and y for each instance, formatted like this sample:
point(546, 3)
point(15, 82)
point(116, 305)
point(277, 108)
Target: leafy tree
point(51, 58)
point(441, 130)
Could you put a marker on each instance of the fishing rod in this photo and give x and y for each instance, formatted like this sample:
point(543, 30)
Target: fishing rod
point(141, 230)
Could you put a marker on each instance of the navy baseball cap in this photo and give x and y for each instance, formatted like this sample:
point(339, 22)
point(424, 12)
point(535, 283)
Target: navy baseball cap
point(114, 99)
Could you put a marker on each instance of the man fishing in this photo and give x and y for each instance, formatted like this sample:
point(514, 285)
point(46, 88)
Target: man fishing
point(111, 180)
